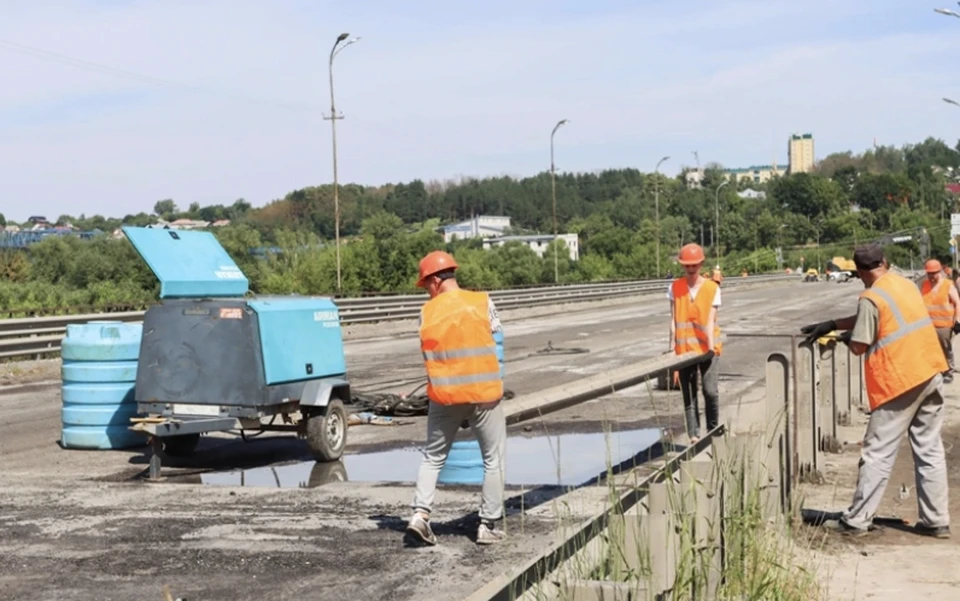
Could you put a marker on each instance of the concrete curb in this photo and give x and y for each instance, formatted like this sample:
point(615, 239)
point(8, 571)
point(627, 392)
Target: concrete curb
point(28, 387)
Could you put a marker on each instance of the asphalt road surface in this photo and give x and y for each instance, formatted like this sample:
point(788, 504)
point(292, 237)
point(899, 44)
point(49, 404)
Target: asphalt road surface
point(84, 525)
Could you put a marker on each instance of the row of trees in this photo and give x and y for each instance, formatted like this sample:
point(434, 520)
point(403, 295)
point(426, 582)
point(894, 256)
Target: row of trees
point(285, 247)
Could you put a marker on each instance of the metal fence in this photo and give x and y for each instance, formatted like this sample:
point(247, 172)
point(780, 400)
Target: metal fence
point(41, 336)
point(671, 532)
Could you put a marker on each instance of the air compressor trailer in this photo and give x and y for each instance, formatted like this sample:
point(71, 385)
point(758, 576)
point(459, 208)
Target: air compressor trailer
point(214, 358)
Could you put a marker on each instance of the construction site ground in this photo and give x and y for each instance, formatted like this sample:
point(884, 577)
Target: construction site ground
point(84, 524)
point(891, 563)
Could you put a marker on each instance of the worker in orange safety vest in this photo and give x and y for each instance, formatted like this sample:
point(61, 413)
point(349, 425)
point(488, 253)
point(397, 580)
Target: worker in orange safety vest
point(717, 275)
point(694, 301)
point(903, 369)
point(943, 304)
point(461, 339)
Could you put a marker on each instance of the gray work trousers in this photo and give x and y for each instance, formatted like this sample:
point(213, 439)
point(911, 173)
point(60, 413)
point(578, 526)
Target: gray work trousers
point(919, 413)
point(490, 427)
point(709, 373)
point(945, 336)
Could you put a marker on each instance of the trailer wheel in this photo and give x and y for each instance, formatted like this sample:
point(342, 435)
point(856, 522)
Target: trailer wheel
point(180, 446)
point(327, 431)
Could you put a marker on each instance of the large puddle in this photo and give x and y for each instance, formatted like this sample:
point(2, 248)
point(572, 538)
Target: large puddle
point(565, 460)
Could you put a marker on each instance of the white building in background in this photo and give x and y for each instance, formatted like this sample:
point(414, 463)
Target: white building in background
point(481, 226)
point(538, 243)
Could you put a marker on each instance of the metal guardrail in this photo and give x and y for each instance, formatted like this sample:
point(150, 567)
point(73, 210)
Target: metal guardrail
point(40, 336)
point(667, 532)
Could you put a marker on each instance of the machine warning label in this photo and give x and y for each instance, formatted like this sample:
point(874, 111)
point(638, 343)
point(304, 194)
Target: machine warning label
point(228, 272)
point(328, 317)
point(231, 313)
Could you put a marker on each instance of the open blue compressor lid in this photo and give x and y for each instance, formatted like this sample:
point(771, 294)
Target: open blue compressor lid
point(188, 264)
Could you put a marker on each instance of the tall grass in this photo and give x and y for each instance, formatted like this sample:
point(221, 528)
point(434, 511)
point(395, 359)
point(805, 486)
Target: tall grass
point(712, 527)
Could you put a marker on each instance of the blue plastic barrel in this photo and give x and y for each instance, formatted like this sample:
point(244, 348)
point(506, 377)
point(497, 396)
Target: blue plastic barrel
point(99, 373)
point(464, 464)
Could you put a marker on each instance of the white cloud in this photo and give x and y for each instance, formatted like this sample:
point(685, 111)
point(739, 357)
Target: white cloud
point(434, 90)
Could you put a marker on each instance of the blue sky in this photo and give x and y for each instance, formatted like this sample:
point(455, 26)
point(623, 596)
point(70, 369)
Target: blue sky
point(221, 99)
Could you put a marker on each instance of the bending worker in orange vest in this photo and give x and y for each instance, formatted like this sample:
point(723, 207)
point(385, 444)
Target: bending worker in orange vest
point(694, 301)
point(943, 305)
point(903, 371)
point(462, 343)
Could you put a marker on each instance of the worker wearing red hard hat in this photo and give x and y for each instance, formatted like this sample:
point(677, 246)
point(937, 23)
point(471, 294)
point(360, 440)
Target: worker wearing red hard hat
point(461, 339)
point(694, 301)
point(943, 304)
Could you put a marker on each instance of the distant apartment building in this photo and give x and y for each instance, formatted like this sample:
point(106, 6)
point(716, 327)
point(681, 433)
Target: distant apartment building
point(538, 242)
point(800, 150)
point(757, 174)
point(481, 226)
point(693, 178)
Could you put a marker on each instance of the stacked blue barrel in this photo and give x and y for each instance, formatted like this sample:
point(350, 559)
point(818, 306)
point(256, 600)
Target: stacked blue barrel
point(464, 464)
point(99, 373)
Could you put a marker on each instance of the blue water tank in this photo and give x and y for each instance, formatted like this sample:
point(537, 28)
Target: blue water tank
point(99, 373)
point(464, 464)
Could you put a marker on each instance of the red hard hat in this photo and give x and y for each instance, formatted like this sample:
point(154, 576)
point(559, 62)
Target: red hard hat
point(435, 262)
point(933, 266)
point(691, 254)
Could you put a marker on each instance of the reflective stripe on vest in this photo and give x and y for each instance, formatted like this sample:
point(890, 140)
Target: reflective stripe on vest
point(906, 352)
point(937, 300)
point(691, 316)
point(458, 349)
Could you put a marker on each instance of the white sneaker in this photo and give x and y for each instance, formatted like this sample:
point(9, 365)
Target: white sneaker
point(420, 528)
point(488, 534)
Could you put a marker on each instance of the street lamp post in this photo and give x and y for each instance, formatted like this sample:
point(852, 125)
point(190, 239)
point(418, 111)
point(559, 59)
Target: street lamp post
point(818, 226)
point(716, 208)
point(656, 196)
point(553, 186)
point(947, 12)
point(333, 129)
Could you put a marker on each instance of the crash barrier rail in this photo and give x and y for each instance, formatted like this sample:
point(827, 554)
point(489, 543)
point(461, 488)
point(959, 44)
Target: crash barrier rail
point(682, 526)
point(36, 337)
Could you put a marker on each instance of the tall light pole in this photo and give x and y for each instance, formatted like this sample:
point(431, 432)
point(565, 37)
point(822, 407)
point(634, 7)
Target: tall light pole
point(333, 128)
point(818, 226)
point(656, 196)
point(716, 208)
point(947, 12)
point(553, 185)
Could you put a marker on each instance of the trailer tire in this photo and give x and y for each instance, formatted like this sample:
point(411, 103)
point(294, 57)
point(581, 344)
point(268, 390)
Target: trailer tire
point(180, 446)
point(326, 431)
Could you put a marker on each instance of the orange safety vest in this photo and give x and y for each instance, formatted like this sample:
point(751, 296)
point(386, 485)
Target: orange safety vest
point(458, 349)
point(690, 318)
point(906, 352)
point(937, 300)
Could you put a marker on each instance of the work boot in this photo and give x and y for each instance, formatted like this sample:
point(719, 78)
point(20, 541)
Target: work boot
point(488, 533)
point(841, 527)
point(419, 527)
point(934, 531)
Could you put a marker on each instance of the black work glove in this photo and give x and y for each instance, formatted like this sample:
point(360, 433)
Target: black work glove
point(956, 327)
point(817, 330)
point(845, 337)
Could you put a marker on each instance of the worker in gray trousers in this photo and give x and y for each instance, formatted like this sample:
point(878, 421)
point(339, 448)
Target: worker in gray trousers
point(462, 343)
point(904, 365)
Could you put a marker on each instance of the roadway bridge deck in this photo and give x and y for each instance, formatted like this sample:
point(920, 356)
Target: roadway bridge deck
point(74, 525)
